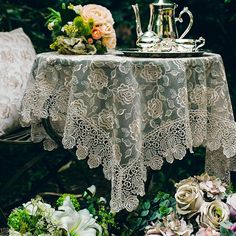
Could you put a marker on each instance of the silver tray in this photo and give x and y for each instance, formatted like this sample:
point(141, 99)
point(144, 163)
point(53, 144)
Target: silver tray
point(137, 53)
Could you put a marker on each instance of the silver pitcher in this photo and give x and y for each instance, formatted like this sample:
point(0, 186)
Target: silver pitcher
point(162, 23)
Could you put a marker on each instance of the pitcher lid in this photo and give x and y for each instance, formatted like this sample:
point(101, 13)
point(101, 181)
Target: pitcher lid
point(163, 3)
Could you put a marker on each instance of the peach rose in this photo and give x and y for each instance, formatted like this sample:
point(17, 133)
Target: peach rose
point(109, 41)
point(96, 33)
point(98, 13)
point(90, 41)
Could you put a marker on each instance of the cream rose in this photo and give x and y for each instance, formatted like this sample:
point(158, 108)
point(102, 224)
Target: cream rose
point(212, 214)
point(107, 29)
point(99, 14)
point(188, 199)
point(109, 41)
point(231, 201)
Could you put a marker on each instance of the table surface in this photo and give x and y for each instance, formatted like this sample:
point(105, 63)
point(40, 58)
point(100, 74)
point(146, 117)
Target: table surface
point(128, 114)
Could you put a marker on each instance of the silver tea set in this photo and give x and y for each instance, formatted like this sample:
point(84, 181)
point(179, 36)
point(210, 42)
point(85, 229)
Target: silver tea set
point(162, 33)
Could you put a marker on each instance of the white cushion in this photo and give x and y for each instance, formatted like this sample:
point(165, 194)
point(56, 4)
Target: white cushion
point(17, 55)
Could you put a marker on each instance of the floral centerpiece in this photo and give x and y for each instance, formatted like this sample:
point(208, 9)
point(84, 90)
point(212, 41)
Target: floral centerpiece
point(36, 218)
point(203, 208)
point(87, 30)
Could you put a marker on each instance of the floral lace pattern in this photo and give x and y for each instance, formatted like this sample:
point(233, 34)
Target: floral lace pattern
point(16, 58)
point(128, 114)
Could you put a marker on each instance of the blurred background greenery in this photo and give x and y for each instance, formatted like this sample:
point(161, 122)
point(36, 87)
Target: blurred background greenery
point(215, 20)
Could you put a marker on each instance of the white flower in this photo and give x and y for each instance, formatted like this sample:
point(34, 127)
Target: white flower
point(36, 206)
point(12, 232)
point(75, 223)
point(51, 25)
point(102, 199)
point(92, 189)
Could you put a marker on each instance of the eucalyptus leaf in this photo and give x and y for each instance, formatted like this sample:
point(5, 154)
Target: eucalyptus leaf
point(144, 213)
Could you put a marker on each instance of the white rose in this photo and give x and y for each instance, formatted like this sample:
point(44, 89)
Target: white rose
point(188, 199)
point(212, 214)
point(99, 14)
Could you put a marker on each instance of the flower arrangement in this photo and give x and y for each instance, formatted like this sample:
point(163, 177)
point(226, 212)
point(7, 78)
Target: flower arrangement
point(89, 29)
point(203, 207)
point(36, 218)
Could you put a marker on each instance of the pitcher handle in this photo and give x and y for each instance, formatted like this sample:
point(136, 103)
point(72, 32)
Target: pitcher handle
point(185, 10)
point(201, 41)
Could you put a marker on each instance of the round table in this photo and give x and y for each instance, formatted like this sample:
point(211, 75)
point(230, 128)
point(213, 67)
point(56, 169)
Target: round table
point(128, 114)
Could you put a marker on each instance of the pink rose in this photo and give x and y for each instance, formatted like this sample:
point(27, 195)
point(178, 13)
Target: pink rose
point(207, 232)
point(99, 14)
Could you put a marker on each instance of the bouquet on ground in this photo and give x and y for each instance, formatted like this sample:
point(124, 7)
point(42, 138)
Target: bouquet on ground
point(81, 29)
point(204, 207)
point(88, 217)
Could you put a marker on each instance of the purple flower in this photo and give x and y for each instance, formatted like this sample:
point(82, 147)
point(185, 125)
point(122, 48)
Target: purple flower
point(233, 228)
point(231, 201)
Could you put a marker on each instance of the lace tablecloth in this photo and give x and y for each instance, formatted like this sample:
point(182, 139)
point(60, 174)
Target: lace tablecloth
point(128, 114)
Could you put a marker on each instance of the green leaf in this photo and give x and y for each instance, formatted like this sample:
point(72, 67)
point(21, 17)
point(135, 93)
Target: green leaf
point(144, 213)
point(138, 221)
point(147, 205)
point(155, 215)
point(226, 232)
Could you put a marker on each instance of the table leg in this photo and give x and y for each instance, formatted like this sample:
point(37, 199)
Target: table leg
point(216, 163)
